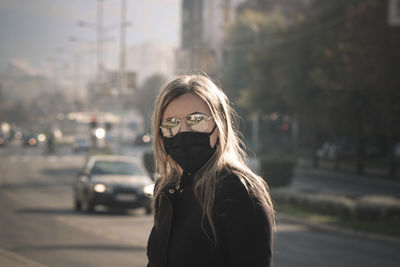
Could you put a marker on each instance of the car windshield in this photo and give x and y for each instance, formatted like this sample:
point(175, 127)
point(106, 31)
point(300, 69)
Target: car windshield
point(116, 168)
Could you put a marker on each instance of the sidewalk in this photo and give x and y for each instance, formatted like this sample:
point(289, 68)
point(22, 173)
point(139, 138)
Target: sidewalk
point(347, 168)
point(339, 230)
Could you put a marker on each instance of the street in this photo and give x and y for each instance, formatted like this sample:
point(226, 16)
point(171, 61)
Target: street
point(38, 226)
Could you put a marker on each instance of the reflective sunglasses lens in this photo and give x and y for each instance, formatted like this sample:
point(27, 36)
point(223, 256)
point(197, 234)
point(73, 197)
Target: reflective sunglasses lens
point(197, 122)
point(170, 128)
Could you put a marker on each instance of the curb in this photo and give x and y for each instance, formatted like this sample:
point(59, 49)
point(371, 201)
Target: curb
point(368, 207)
point(343, 231)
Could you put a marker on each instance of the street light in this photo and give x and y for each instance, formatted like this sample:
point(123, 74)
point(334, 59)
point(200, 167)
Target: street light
point(255, 120)
point(100, 32)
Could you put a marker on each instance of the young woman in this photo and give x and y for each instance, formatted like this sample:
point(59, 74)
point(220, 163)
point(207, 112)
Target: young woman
point(210, 208)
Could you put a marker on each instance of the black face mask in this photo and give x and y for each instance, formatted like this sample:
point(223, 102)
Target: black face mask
point(190, 150)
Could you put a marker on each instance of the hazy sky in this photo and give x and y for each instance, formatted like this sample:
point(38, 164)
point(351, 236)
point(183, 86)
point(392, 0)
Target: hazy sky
point(31, 31)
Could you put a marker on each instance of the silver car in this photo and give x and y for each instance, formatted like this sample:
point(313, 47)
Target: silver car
point(118, 182)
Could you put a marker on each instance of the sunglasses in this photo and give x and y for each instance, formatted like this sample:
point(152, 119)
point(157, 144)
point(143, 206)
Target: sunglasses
point(197, 122)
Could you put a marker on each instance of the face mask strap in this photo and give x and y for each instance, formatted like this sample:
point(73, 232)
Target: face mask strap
point(215, 127)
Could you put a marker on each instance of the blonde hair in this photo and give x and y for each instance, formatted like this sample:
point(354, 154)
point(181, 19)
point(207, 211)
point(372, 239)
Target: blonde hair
point(228, 155)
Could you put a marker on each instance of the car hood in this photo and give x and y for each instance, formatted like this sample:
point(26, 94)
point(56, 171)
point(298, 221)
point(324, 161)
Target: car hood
point(126, 180)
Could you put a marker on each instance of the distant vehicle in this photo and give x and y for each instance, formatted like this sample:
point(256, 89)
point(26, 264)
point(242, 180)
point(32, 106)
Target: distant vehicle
point(81, 144)
point(142, 139)
point(2, 140)
point(115, 182)
point(30, 140)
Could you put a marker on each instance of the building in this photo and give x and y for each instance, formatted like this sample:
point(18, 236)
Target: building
point(149, 58)
point(204, 23)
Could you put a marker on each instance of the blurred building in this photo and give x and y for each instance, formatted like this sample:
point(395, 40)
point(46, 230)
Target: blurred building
point(204, 26)
point(106, 96)
point(22, 83)
point(149, 58)
point(289, 8)
point(203, 31)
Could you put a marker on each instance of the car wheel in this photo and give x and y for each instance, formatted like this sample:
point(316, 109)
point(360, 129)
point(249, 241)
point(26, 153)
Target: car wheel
point(119, 211)
point(88, 206)
point(148, 209)
point(77, 205)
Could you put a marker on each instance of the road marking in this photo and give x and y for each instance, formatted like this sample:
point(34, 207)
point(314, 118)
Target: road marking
point(15, 197)
point(77, 225)
point(285, 227)
point(1, 174)
point(20, 258)
point(97, 232)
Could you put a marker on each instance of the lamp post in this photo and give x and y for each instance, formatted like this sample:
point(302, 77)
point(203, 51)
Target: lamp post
point(90, 46)
point(99, 37)
point(101, 30)
point(122, 47)
point(256, 119)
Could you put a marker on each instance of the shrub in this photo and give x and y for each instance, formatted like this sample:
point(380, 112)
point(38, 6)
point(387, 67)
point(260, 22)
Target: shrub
point(148, 162)
point(277, 171)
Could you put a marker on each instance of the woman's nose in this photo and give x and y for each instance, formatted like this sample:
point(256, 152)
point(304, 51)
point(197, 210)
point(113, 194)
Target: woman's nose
point(184, 127)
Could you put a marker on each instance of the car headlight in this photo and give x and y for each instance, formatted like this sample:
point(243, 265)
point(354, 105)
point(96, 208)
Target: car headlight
point(100, 188)
point(148, 190)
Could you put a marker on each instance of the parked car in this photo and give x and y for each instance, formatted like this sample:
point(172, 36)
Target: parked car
point(119, 182)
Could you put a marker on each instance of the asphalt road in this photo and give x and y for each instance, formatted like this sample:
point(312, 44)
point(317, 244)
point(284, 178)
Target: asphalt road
point(38, 226)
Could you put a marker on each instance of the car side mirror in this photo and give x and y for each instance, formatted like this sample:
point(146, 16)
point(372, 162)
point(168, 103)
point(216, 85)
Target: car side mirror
point(83, 173)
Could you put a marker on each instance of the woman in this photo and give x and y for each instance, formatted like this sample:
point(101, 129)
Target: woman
point(210, 208)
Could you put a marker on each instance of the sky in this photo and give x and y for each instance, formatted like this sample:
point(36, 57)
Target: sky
point(36, 33)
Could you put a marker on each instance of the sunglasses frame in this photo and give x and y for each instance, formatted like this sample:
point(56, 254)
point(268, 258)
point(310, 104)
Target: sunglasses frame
point(184, 119)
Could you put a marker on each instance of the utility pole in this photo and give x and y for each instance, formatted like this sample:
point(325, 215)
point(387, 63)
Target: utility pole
point(99, 32)
point(122, 69)
point(256, 119)
point(77, 91)
point(122, 65)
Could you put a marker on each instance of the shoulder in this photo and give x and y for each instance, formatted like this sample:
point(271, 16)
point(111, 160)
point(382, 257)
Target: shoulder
point(231, 192)
point(233, 198)
point(229, 184)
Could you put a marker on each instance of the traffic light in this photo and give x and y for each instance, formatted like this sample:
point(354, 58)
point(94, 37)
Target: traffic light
point(93, 123)
point(108, 126)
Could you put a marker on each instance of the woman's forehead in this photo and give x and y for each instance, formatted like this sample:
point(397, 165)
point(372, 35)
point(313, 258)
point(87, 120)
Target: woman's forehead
point(186, 104)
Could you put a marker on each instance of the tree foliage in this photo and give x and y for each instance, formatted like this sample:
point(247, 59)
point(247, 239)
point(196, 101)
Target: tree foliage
point(334, 67)
point(146, 95)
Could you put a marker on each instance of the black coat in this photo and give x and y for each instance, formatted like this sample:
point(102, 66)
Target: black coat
point(242, 226)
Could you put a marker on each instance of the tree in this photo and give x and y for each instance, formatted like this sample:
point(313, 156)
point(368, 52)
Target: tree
point(146, 95)
point(334, 69)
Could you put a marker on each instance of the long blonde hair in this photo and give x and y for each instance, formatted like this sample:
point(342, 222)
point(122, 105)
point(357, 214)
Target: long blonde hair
point(229, 153)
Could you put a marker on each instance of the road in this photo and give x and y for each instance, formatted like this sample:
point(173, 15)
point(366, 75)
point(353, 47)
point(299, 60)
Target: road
point(39, 228)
